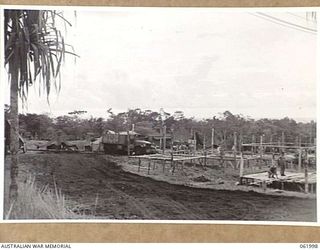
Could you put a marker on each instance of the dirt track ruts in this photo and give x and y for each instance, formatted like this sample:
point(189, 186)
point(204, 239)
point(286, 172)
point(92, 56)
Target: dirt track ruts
point(121, 195)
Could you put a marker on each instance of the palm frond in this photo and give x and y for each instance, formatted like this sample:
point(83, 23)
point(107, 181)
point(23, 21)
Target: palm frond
point(35, 48)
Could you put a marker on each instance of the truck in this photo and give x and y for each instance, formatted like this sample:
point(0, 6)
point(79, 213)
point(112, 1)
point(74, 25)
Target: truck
point(118, 143)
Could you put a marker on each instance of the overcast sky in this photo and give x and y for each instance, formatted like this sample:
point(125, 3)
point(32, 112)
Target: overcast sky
point(196, 60)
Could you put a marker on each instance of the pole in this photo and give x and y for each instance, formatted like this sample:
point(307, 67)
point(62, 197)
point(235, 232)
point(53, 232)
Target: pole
point(306, 162)
point(149, 166)
point(241, 165)
point(205, 158)
point(300, 154)
point(172, 163)
point(128, 143)
point(212, 139)
point(253, 141)
point(282, 140)
point(195, 142)
point(172, 139)
point(261, 141)
point(240, 142)
point(164, 138)
point(235, 148)
point(311, 134)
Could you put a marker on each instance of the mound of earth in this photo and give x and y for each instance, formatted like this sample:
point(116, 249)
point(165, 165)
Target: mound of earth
point(201, 178)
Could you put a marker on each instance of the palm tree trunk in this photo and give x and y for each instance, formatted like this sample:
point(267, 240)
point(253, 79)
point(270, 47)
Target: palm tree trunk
point(14, 133)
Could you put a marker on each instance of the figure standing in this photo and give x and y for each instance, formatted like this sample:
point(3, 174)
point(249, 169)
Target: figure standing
point(282, 164)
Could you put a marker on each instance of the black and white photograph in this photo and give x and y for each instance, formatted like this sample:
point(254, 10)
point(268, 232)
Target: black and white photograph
point(162, 114)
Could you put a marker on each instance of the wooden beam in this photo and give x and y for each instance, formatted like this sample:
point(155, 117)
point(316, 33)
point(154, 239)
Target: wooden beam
point(164, 131)
point(240, 142)
point(306, 183)
point(299, 159)
point(139, 164)
point(149, 166)
point(277, 146)
point(260, 146)
point(212, 140)
point(128, 142)
point(205, 158)
point(172, 139)
point(253, 142)
point(241, 166)
point(189, 158)
point(235, 148)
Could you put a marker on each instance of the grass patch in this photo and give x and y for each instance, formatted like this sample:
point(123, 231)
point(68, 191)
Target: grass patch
point(36, 202)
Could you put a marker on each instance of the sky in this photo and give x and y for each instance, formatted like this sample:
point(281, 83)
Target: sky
point(200, 61)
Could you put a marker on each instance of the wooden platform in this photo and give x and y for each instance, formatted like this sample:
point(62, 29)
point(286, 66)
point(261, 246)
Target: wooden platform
point(293, 181)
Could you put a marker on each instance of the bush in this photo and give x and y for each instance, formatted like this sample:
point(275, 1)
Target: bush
point(40, 203)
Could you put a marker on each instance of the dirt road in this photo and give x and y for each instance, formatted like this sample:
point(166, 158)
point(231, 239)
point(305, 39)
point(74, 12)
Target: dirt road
point(101, 187)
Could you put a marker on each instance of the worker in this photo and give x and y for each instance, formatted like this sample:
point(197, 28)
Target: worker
point(272, 172)
point(282, 164)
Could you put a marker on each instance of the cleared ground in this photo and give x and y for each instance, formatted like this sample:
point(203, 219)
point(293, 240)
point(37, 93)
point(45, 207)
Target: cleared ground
point(97, 186)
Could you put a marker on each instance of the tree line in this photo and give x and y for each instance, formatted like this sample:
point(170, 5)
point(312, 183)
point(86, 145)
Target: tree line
point(146, 122)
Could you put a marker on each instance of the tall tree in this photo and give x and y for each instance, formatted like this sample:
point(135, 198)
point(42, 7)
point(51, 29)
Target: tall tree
point(34, 50)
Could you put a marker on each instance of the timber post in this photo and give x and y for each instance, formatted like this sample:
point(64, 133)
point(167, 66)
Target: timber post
point(173, 166)
point(235, 149)
point(300, 154)
point(241, 166)
point(139, 164)
point(282, 140)
point(299, 159)
point(253, 151)
point(172, 139)
point(212, 139)
point(261, 152)
point(205, 158)
point(163, 165)
point(128, 142)
point(149, 166)
point(306, 163)
point(240, 142)
point(195, 142)
point(164, 131)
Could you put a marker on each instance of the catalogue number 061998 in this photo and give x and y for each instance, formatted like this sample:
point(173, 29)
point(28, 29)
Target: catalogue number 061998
point(311, 245)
